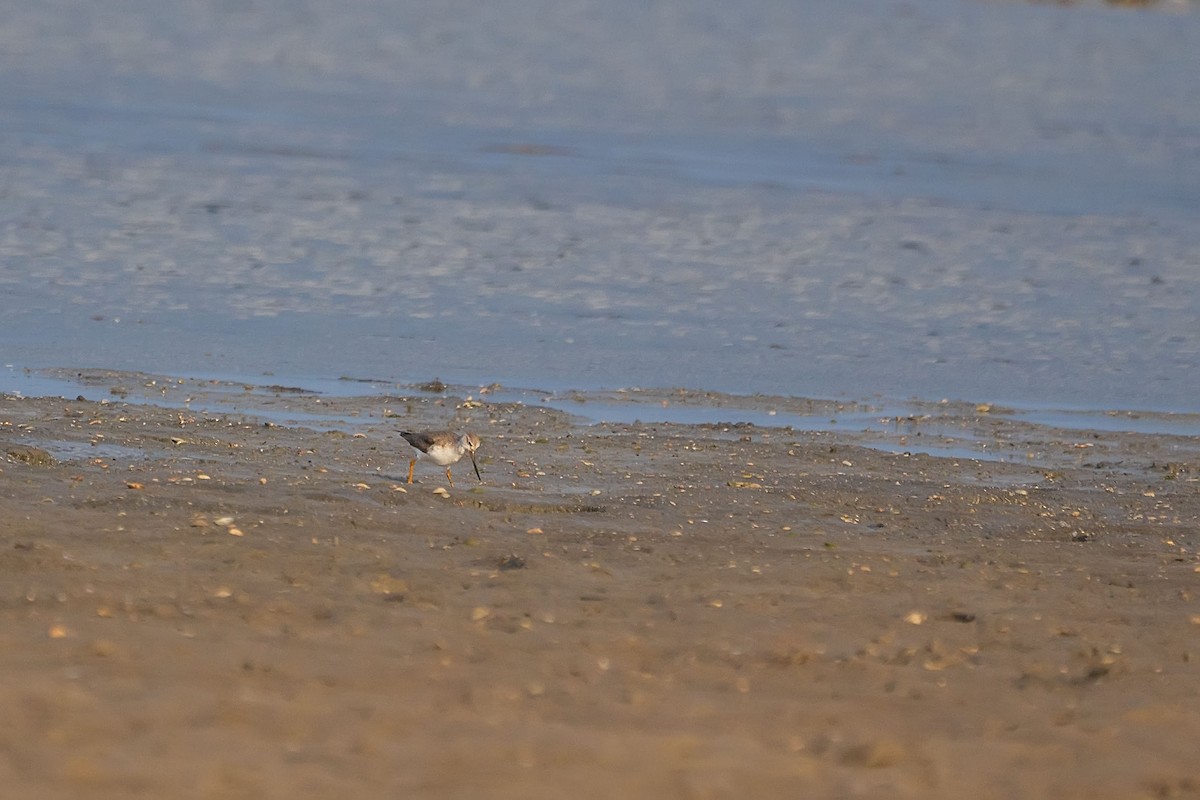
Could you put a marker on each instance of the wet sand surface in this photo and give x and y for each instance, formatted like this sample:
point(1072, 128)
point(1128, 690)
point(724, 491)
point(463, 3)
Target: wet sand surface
point(205, 603)
point(223, 590)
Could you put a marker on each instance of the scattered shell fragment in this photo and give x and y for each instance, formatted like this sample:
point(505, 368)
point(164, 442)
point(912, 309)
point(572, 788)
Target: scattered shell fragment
point(104, 648)
point(480, 613)
point(235, 532)
point(914, 617)
point(224, 522)
point(134, 485)
point(58, 632)
point(441, 490)
point(361, 486)
point(534, 531)
point(398, 488)
point(874, 755)
point(389, 585)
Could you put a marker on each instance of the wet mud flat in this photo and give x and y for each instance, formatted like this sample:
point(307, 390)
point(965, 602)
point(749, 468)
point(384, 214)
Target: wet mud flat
point(224, 603)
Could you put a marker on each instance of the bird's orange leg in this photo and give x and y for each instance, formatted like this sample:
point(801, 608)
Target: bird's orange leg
point(411, 464)
point(448, 476)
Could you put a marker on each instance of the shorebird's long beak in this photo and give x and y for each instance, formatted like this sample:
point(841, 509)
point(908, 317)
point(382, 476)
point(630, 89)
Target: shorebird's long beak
point(476, 466)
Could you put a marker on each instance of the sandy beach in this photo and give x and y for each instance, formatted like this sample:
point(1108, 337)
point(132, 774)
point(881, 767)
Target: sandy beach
point(922, 524)
point(210, 605)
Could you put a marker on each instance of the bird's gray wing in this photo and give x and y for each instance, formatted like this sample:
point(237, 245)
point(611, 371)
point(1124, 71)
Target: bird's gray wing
point(421, 441)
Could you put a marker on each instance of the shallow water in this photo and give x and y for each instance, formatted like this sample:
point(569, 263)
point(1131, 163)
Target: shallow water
point(981, 201)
